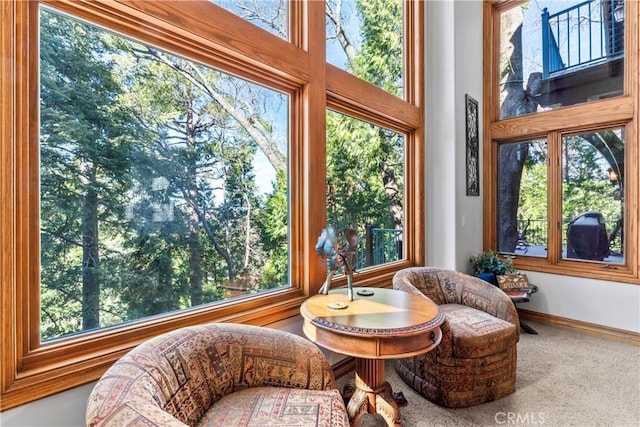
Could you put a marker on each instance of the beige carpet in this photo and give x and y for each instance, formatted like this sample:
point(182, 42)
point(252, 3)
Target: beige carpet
point(564, 378)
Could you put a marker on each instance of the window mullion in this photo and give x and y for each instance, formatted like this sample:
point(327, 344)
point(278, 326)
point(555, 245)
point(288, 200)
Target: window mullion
point(554, 207)
point(313, 122)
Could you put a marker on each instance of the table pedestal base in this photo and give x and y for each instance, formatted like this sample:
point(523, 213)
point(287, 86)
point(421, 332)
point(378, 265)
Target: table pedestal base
point(373, 394)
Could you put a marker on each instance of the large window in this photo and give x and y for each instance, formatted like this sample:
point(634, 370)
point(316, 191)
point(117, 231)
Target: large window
point(359, 32)
point(365, 179)
point(156, 194)
point(593, 196)
point(172, 163)
point(561, 142)
point(567, 52)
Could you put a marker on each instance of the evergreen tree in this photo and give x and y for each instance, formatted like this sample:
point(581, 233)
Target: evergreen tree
point(365, 163)
point(85, 142)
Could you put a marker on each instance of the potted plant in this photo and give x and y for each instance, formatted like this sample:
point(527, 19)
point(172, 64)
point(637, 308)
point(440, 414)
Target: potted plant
point(489, 264)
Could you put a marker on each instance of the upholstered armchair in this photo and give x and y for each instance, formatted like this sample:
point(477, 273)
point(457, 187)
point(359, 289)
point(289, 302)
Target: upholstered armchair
point(476, 359)
point(219, 374)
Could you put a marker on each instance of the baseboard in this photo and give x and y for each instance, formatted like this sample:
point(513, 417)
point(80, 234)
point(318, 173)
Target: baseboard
point(606, 332)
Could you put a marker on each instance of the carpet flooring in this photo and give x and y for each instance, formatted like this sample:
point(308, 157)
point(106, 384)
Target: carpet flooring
point(564, 378)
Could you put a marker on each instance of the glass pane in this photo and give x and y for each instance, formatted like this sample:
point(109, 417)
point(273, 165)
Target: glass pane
point(365, 178)
point(155, 194)
point(559, 53)
point(270, 15)
point(366, 39)
point(593, 196)
point(522, 198)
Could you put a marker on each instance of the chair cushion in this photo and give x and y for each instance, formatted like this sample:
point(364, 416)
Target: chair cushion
point(273, 406)
point(476, 333)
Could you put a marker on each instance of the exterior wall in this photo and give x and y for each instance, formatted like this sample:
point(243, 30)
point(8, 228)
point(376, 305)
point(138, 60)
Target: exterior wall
point(453, 220)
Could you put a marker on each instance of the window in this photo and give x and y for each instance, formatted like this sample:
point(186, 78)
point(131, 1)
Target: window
point(562, 137)
point(522, 209)
point(152, 181)
point(365, 174)
point(567, 52)
point(593, 196)
point(157, 172)
point(272, 15)
point(358, 32)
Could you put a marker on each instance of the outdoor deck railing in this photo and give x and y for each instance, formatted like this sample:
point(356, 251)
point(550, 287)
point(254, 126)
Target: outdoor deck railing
point(382, 245)
point(580, 35)
point(533, 232)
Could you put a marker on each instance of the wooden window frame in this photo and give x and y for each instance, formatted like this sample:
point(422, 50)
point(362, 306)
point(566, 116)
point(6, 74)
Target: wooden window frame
point(31, 370)
point(552, 125)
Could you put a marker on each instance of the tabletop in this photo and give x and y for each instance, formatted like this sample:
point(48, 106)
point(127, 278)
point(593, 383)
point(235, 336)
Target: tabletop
point(378, 323)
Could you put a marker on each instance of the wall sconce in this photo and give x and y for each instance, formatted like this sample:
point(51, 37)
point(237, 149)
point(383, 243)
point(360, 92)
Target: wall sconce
point(618, 12)
point(613, 177)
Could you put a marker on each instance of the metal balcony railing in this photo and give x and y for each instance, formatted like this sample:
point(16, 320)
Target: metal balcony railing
point(582, 34)
point(533, 232)
point(381, 245)
point(385, 244)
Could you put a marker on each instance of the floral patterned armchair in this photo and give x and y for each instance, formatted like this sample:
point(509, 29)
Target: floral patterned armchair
point(476, 359)
point(219, 374)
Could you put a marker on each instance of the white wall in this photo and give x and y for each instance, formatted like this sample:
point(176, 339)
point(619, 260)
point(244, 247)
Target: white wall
point(440, 149)
point(612, 304)
point(64, 409)
point(468, 80)
point(453, 69)
point(453, 220)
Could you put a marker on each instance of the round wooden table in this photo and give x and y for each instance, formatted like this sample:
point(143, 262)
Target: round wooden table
point(378, 324)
